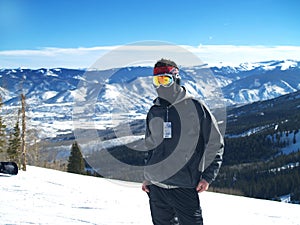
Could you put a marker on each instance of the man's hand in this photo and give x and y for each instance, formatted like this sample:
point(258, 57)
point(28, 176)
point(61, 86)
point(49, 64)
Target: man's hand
point(203, 185)
point(145, 186)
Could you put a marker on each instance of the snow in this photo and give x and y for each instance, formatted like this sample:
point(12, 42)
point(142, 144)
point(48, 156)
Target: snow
point(50, 73)
point(288, 64)
point(49, 94)
point(292, 147)
point(269, 65)
point(44, 196)
point(248, 66)
point(111, 92)
point(249, 132)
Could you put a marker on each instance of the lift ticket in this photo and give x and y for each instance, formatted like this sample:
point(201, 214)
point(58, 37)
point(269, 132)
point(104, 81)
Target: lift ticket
point(167, 130)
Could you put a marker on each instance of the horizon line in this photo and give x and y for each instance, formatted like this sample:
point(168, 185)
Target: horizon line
point(84, 57)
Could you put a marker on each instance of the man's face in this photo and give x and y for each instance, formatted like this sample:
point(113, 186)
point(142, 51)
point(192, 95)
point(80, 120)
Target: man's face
point(168, 93)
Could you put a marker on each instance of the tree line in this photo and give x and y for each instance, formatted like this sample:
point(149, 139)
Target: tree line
point(268, 179)
point(12, 141)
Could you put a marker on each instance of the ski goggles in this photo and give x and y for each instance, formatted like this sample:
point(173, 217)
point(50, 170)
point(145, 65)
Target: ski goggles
point(163, 80)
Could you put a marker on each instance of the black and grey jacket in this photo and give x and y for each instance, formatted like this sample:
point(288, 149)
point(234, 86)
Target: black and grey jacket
point(193, 151)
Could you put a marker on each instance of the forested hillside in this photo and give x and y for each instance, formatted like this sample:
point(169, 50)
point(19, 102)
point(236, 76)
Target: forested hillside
point(262, 153)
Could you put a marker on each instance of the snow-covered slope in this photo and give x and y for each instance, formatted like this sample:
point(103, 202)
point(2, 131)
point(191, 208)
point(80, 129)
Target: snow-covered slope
point(44, 196)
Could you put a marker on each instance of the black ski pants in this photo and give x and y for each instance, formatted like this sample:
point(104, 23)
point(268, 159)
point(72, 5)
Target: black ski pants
point(183, 203)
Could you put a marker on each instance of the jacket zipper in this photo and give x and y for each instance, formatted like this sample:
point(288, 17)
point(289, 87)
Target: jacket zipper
point(167, 116)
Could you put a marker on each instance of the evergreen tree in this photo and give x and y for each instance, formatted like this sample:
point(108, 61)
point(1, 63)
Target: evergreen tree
point(294, 139)
point(14, 144)
point(76, 162)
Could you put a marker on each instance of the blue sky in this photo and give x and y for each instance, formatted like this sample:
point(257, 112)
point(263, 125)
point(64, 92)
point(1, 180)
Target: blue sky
point(37, 24)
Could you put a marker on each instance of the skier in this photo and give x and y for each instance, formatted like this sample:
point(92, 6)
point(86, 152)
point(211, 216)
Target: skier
point(185, 150)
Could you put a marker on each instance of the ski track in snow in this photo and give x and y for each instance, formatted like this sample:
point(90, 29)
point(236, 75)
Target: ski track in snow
point(44, 196)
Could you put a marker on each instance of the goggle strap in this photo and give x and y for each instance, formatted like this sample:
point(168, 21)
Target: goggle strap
point(165, 70)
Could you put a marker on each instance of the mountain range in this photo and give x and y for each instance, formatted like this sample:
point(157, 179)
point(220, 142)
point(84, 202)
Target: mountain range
point(52, 95)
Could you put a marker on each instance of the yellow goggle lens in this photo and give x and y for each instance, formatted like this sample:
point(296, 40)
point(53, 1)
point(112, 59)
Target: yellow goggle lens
point(164, 80)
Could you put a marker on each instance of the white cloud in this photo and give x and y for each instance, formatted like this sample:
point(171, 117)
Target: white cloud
point(85, 57)
point(52, 57)
point(231, 54)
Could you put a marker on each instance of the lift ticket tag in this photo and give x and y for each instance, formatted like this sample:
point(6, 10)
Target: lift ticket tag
point(167, 130)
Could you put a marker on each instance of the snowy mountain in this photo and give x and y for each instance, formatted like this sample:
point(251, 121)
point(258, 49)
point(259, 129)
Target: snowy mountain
point(253, 82)
point(44, 196)
point(52, 93)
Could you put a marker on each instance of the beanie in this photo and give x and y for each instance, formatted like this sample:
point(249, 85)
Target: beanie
point(164, 66)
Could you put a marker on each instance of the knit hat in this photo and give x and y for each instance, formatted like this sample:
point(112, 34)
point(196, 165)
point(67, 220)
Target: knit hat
point(164, 66)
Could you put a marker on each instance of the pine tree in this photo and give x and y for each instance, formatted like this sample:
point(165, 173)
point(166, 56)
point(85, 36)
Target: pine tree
point(14, 144)
point(294, 138)
point(76, 162)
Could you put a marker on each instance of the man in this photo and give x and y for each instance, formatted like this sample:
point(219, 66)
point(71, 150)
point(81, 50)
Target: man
point(185, 150)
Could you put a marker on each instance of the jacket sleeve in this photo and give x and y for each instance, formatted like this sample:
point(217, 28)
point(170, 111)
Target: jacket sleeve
point(148, 141)
point(213, 154)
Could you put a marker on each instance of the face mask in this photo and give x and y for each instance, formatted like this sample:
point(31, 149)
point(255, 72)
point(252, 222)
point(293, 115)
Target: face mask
point(169, 93)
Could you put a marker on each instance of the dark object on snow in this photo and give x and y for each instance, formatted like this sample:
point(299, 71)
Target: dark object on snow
point(9, 168)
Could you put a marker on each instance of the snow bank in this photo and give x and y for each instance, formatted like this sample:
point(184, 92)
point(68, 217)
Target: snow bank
point(44, 196)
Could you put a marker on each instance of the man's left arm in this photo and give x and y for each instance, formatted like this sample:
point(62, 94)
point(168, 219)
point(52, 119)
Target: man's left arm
point(213, 155)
